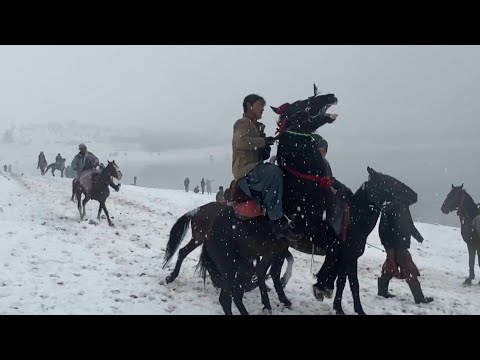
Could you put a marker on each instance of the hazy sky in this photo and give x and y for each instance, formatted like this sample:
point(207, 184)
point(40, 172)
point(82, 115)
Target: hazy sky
point(384, 89)
point(410, 109)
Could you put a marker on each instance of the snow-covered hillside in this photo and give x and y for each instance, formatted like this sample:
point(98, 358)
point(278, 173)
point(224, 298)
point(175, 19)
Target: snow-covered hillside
point(54, 264)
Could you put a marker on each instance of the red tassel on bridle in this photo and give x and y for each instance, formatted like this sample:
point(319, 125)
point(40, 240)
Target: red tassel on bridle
point(282, 124)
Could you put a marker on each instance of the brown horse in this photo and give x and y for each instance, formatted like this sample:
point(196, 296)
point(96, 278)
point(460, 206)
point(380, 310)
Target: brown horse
point(201, 220)
point(458, 199)
point(94, 185)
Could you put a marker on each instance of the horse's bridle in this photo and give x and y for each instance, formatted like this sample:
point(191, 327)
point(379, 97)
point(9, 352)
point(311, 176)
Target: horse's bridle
point(282, 124)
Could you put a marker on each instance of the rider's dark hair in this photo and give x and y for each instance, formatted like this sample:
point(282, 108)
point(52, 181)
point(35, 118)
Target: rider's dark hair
point(251, 99)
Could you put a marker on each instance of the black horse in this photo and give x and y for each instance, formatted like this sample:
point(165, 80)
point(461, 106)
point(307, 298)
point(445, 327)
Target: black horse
point(458, 199)
point(234, 244)
point(201, 220)
point(365, 207)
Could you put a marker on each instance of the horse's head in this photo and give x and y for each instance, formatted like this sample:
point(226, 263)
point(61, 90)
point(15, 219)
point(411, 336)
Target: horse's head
point(113, 170)
point(453, 200)
point(306, 115)
point(384, 189)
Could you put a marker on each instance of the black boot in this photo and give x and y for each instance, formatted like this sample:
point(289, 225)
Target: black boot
point(383, 282)
point(417, 292)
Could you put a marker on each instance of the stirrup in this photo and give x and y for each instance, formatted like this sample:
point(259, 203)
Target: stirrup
point(290, 222)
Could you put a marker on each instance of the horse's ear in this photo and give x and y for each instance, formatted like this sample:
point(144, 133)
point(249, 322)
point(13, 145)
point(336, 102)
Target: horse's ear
point(453, 187)
point(108, 161)
point(281, 109)
point(371, 171)
point(461, 186)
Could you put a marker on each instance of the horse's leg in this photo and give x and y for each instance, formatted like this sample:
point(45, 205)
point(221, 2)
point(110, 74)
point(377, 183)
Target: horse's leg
point(326, 276)
point(238, 287)
point(53, 172)
point(62, 172)
point(182, 254)
point(261, 272)
point(341, 280)
point(355, 287)
point(288, 273)
point(99, 211)
point(79, 204)
point(275, 271)
point(328, 272)
point(227, 283)
point(226, 301)
point(471, 264)
point(106, 213)
point(73, 189)
point(478, 258)
point(84, 202)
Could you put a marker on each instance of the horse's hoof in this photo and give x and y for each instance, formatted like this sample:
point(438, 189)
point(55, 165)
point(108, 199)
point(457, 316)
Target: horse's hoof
point(111, 224)
point(467, 282)
point(339, 312)
point(319, 294)
point(360, 312)
point(169, 279)
point(425, 300)
point(328, 293)
point(267, 311)
point(287, 303)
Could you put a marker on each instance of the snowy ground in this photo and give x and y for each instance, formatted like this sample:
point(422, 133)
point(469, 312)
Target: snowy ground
point(54, 264)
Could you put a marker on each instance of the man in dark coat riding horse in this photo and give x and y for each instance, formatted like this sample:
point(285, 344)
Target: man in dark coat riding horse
point(86, 160)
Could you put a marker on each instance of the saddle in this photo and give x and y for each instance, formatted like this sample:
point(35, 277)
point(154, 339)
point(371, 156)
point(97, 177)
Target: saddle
point(244, 206)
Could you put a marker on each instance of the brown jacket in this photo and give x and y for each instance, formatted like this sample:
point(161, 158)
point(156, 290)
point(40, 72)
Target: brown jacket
point(248, 140)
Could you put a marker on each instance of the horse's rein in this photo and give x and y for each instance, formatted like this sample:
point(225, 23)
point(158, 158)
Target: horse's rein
point(460, 207)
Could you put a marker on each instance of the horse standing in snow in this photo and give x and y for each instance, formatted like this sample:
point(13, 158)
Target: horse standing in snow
point(458, 199)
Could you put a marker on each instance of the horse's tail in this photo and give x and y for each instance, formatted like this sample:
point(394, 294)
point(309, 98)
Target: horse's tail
point(206, 264)
point(176, 236)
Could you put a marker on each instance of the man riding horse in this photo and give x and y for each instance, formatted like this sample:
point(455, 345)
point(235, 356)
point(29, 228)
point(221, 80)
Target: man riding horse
point(59, 160)
point(86, 160)
point(262, 182)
